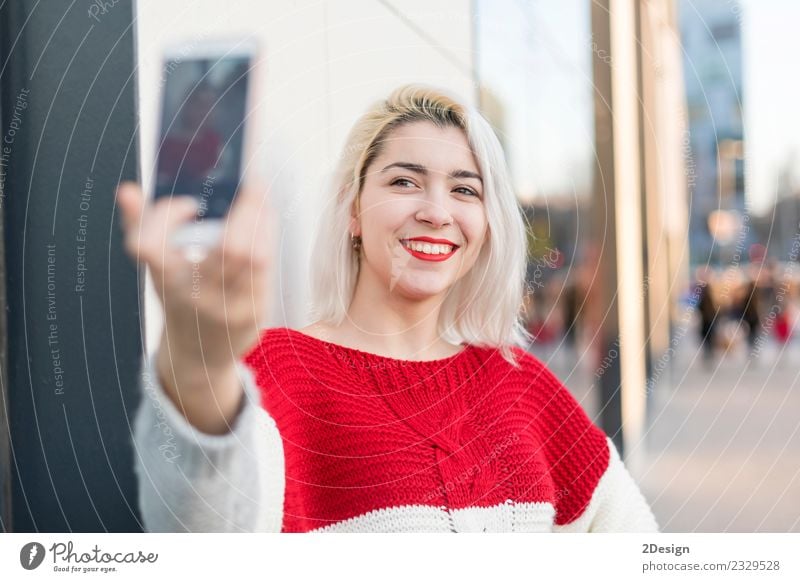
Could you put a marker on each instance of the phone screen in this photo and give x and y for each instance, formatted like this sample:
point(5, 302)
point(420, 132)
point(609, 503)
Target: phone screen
point(204, 103)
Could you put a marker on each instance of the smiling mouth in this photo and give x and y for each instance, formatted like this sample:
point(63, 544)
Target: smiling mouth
point(429, 251)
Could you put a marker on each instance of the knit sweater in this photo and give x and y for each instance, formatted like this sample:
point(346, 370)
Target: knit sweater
point(334, 439)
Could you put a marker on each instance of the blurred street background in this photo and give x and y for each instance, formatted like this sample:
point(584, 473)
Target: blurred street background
point(718, 445)
point(722, 440)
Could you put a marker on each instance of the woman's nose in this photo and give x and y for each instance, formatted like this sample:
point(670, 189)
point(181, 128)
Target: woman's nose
point(433, 209)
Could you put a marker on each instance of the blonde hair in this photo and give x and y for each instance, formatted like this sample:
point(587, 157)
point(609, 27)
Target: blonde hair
point(483, 307)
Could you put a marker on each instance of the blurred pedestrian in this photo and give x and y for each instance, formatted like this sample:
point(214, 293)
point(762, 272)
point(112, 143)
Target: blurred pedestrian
point(708, 310)
point(571, 303)
point(749, 309)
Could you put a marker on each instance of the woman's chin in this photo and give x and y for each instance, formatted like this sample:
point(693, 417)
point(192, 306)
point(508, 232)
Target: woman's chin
point(419, 290)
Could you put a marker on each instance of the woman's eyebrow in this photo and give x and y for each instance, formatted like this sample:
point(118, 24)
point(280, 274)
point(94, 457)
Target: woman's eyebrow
point(420, 169)
point(466, 174)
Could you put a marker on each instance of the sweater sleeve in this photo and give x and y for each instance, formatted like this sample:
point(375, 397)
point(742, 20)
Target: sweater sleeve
point(196, 482)
point(617, 504)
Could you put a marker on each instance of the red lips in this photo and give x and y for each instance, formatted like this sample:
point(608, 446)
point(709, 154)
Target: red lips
point(426, 257)
point(438, 241)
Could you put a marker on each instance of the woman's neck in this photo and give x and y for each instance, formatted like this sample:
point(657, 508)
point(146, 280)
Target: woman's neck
point(391, 326)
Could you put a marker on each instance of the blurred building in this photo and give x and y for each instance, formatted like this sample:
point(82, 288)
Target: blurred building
point(593, 116)
point(777, 228)
point(714, 147)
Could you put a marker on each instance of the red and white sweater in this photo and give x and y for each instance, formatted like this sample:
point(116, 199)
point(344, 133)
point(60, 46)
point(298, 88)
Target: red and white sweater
point(334, 439)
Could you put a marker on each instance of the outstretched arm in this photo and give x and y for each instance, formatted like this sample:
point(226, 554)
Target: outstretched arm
point(198, 482)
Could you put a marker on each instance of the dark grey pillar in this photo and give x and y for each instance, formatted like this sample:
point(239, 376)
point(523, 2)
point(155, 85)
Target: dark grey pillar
point(73, 336)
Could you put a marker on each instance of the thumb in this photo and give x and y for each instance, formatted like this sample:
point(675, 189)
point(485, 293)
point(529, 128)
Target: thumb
point(131, 204)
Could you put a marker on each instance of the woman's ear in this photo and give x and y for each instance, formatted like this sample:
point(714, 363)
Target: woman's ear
point(355, 222)
point(355, 226)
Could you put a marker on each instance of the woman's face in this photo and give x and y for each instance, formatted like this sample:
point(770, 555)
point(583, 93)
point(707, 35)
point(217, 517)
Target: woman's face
point(422, 216)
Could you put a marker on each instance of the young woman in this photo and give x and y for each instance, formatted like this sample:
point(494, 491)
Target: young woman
point(410, 404)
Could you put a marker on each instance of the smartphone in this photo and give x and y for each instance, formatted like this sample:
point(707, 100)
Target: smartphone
point(206, 99)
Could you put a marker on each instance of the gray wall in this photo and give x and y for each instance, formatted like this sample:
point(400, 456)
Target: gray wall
point(73, 318)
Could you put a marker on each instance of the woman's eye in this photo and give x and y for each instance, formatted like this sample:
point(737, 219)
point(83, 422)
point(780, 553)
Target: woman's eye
point(468, 191)
point(403, 182)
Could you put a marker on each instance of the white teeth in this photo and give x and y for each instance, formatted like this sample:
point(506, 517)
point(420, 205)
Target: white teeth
point(428, 248)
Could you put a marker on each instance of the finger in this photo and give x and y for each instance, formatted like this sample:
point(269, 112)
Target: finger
point(248, 223)
point(132, 208)
point(251, 198)
point(163, 219)
point(131, 204)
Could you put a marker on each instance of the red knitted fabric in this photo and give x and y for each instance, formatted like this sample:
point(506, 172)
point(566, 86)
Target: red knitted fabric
point(363, 432)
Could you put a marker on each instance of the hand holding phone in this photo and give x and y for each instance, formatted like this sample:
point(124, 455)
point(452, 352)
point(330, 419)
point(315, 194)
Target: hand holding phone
point(206, 99)
point(213, 310)
point(206, 241)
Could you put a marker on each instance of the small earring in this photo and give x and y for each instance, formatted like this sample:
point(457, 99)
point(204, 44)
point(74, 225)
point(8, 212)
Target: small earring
point(355, 241)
